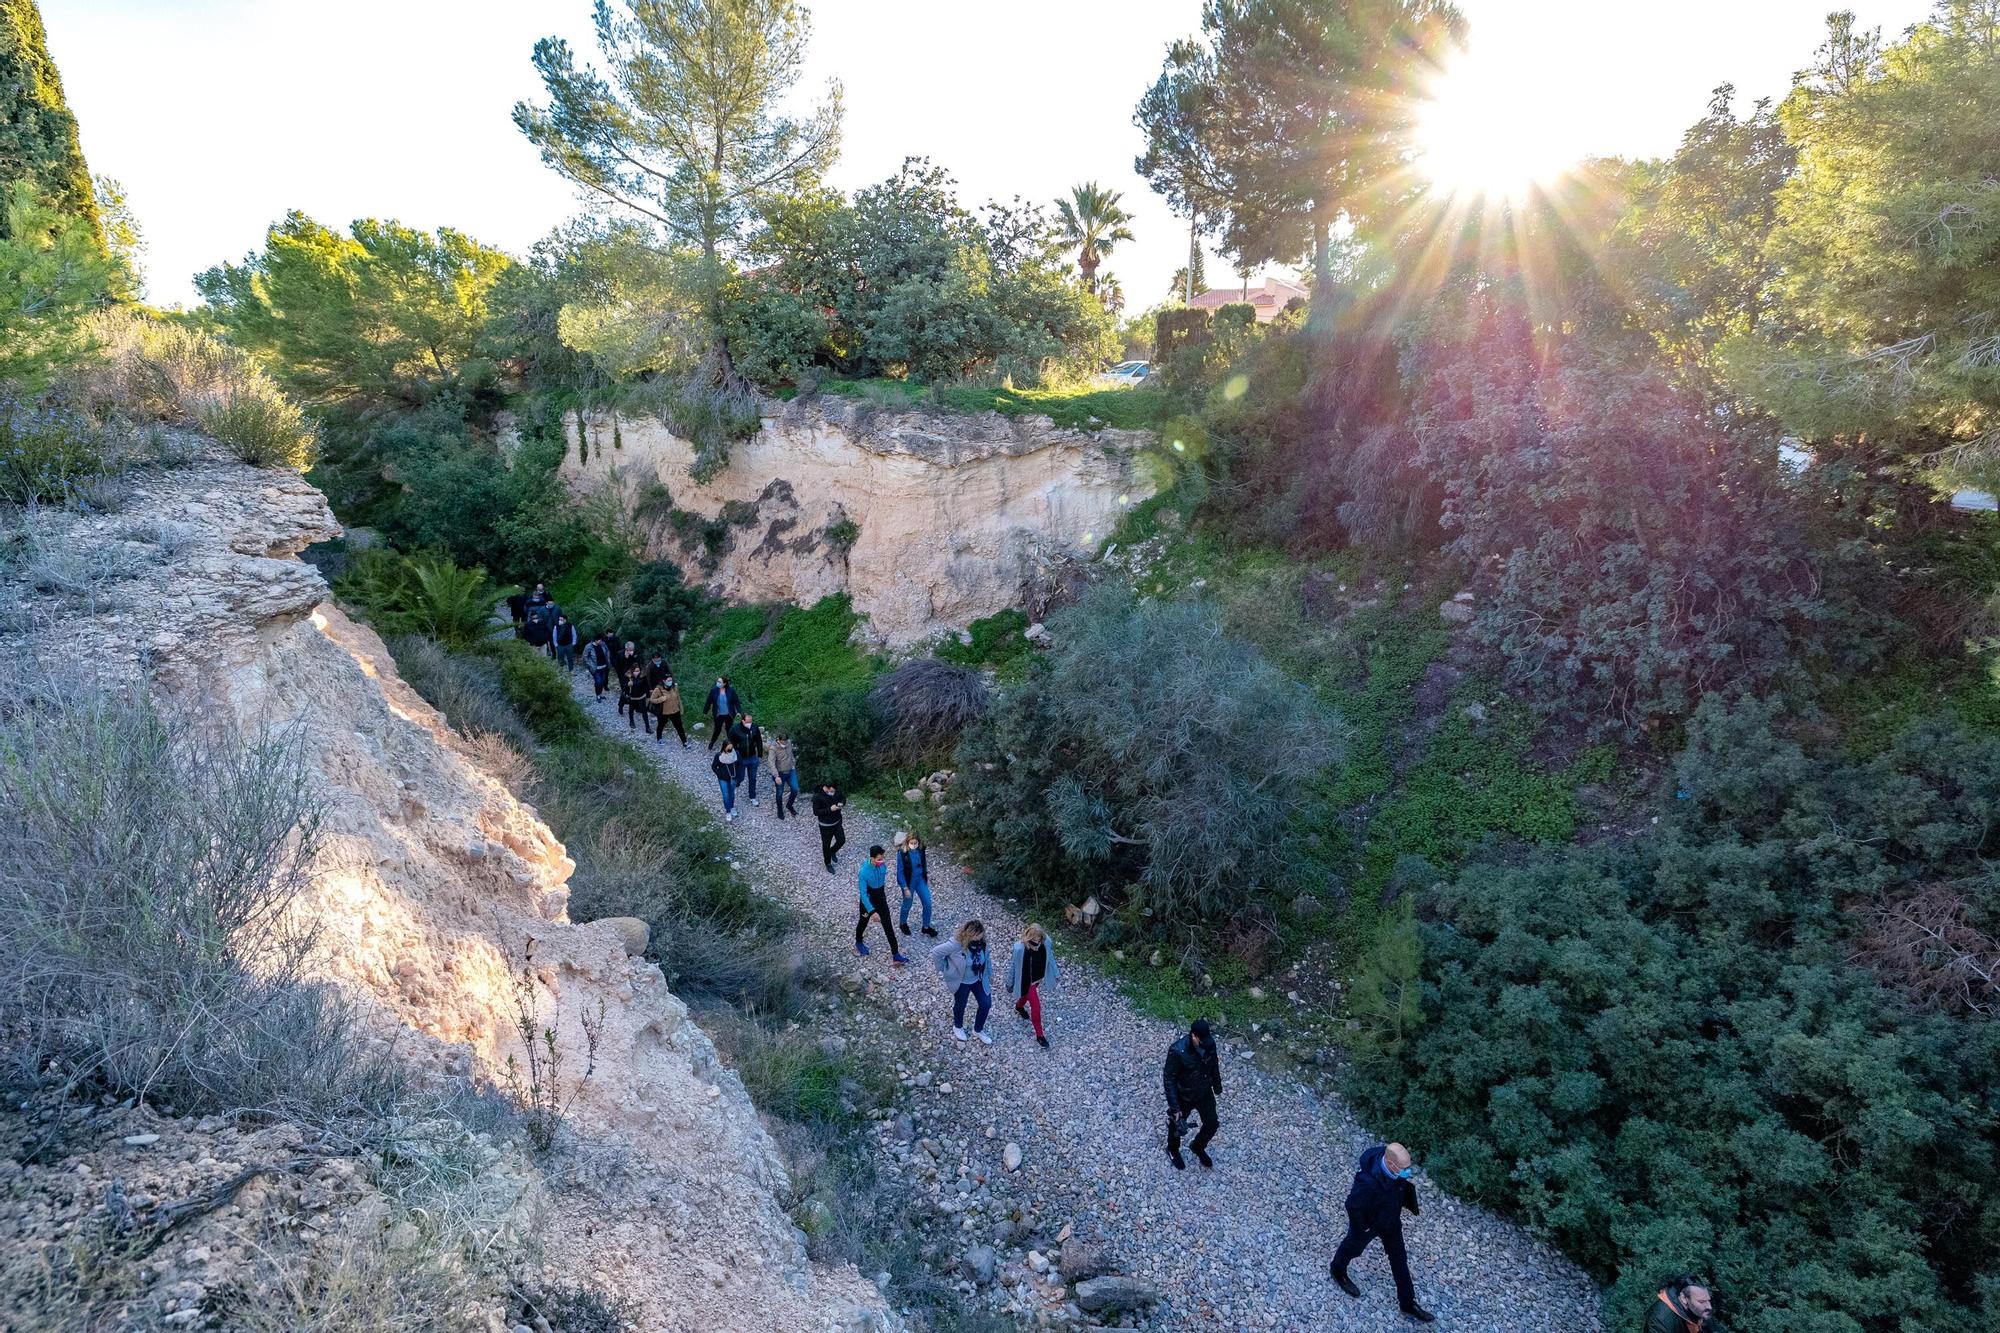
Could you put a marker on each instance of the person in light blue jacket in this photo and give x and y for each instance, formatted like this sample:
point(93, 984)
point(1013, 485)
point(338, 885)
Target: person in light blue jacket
point(1031, 967)
point(967, 968)
point(872, 885)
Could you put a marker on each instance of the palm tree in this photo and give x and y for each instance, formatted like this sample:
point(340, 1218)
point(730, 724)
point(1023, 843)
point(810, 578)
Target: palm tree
point(1094, 223)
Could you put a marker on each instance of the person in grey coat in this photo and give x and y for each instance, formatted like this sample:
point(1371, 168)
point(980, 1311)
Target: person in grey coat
point(1031, 967)
point(967, 969)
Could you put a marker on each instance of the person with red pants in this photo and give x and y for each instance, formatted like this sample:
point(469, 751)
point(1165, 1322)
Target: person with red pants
point(1032, 966)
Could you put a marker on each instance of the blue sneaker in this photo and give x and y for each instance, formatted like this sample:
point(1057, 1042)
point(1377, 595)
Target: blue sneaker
point(861, 949)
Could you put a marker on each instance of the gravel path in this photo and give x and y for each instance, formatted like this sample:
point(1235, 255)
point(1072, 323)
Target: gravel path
point(1245, 1246)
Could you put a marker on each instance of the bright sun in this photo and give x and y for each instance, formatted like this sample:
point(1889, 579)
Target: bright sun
point(1491, 132)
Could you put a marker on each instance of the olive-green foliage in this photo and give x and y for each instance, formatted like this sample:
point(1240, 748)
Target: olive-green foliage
point(379, 315)
point(1151, 749)
point(540, 693)
point(777, 657)
point(993, 640)
point(422, 594)
point(835, 729)
point(53, 272)
point(1661, 1054)
point(260, 425)
point(38, 139)
point(46, 451)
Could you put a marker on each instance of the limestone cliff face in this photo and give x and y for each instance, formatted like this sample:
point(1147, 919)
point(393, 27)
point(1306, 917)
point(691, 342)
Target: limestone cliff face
point(951, 515)
point(437, 888)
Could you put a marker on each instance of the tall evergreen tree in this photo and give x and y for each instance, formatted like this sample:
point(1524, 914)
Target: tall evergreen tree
point(1093, 222)
point(38, 138)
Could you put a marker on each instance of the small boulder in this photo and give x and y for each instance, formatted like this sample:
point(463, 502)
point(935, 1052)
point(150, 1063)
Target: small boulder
point(633, 933)
point(914, 795)
point(1080, 1260)
point(1011, 1157)
point(1115, 1294)
point(1037, 633)
point(1456, 613)
point(981, 1263)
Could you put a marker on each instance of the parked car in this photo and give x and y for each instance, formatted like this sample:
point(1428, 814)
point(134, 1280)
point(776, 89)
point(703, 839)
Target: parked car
point(1127, 373)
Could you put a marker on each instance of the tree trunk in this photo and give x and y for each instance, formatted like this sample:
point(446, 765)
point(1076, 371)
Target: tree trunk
point(1320, 312)
point(1087, 261)
point(1194, 250)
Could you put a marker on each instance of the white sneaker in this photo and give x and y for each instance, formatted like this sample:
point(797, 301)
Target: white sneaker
point(988, 1040)
point(960, 1033)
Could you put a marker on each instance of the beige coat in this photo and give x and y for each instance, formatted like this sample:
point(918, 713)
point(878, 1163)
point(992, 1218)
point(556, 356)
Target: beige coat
point(665, 699)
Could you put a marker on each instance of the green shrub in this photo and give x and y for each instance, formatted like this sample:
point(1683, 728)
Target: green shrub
point(993, 640)
point(422, 594)
point(1151, 749)
point(260, 425)
point(1177, 326)
point(711, 418)
point(835, 728)
point(46, 451)
point(1235, 315)
point(809, 649)
point(658, 606)
point(1663, 1055)
point(540, 693)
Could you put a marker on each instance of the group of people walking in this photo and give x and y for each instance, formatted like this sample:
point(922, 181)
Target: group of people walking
point(649, 697)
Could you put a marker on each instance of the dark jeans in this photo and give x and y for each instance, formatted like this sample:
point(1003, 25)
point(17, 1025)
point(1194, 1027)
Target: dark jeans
point(746, 773)
point(876, 909)
point(971, 990)
point(599, 678)
point(566, 657)
point(718, 730)
point(785, 788)
point(660, 729)
point(1356, 1240)
point(633, 709)
point(1205, 1108)
point(833, 837)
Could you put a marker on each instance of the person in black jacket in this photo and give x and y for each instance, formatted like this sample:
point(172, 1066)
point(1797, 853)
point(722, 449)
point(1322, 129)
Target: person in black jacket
point(597, 660)
point(624, 661)
point(1684, 1305)
point(517, 610)
point(748, 738)
point(1193, 1080)
point(832, 829)
point(722, 706)
point(632, 700)
point(1381, 1192)
point(562, 642)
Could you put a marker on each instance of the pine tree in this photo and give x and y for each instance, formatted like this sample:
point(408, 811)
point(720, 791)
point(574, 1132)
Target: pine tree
point(38, 138)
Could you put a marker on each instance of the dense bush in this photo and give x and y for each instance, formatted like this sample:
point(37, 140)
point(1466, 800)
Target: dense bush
point(835, 729)
point(1662, 1055)
point(1634, 552)
point(656, 606)
point(1150, 749)
point(148, 947)
point(422, 594)
point(925, 706)
point(46, 451)
point(261, 426)
point(540, 693)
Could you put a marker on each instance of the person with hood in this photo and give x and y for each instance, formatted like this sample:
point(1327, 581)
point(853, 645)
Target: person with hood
point(1684, 1306)
point(664, 702)
point(563, 640)
point(597, 661)
point(722, 706)
point(966, 966)
point(724, 768)
point(1032, 966)
point(1193, 1080)
point(748, 738)
point(632, 699)
point(827, 805)
point(913, 876)
point(784, 776)
point(536, 632)
point(872, 884)
point(1381, 1193)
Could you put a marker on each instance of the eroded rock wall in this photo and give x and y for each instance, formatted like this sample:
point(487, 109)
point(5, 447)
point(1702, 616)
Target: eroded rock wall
point(952, 516)
point(436, 888)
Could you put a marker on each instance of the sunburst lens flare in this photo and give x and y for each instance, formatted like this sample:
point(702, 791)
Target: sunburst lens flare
point(1487, 131)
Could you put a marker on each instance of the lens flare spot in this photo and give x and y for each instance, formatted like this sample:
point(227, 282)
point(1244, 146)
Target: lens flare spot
point(1237, 386)
point(1179, 448)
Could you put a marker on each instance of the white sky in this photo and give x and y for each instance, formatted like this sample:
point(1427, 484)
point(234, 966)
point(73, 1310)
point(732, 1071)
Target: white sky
point(219, 115)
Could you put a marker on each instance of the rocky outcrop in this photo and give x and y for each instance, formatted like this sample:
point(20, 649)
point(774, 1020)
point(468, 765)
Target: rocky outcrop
point(929, 520)
point(439, 892)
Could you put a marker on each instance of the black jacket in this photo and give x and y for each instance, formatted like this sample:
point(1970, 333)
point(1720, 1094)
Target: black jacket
point(723, 703)
point(1192, 1074)
point(725, 772)
point(625, 663)
point(1662, 1318)
point(565, 635)
point(749, 741)
point(657, 670)
point(536, 631)
point(823, 811)
point(1377, 1199)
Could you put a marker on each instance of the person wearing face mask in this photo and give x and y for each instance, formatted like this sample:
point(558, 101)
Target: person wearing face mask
point(664, 702)
point(597, 661)
point(1383, 1189)
point(1193, 1080)
point(966, 966)
point(1684, 1306)
point(722, 707)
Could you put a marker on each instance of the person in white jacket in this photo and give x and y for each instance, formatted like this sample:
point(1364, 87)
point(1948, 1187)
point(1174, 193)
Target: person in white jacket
point(1031, 967)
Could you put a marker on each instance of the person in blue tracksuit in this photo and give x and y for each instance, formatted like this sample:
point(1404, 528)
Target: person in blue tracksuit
point(872, 884)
